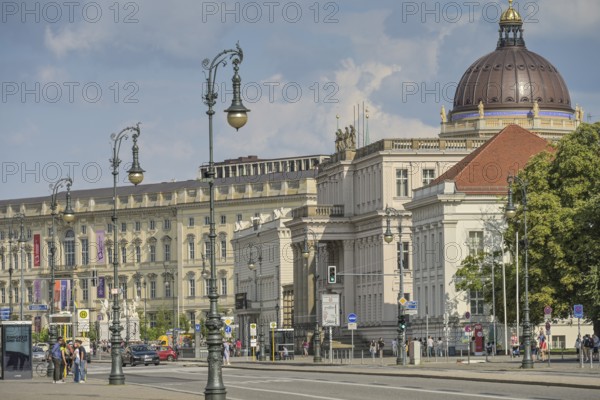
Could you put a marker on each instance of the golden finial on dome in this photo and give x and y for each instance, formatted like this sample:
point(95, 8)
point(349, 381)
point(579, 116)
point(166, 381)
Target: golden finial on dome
point(511, 15)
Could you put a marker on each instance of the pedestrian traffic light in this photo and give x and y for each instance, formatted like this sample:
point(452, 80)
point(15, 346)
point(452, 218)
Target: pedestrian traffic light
point(331, 275)
point(402, 323)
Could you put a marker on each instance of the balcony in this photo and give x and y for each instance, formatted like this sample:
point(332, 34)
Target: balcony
point(319, 210)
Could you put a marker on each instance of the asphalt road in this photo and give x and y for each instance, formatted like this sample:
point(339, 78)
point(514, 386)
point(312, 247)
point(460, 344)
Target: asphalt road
point(250, 384)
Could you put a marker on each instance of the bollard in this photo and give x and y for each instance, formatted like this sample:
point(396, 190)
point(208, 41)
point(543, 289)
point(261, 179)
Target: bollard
point(362, 356)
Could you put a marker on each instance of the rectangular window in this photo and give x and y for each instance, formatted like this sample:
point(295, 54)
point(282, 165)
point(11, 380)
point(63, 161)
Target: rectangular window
point(123, 227)
point(240, 218)
point(15, 295)
point(152, 253)
point(3, 261)
point(428, 176)
point(223, 219)
point(2, 295)
point(110, 255)
point(29, 260)
point(152, 289)
point(402, 254)
point(84, 229)
point(152, 225)
point(138, 226)
point(223, 286)
point(123, 254)
point(110, 287)
point(167, 252)
point(138, 254)
point(69, 253)
point(152, 318)
point(191, 250)
point(85, 252)
point(167, 224)
point(123, 287)
point(476, 302)
point(206, 287)
point(224, 249)
point(30, 294)
point(192, 319)
point(207, 250)
point(85, 291)
point(402, 182)
point(192, 285)
point(475, 243)
point(168, 285)
point(207, 220)
point(109, 228)
point(191, 221)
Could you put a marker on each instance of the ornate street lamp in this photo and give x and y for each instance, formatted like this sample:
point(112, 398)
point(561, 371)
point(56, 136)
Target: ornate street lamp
point(510, 212)
point(388, 236)
point(68, 216)
point(252, 267)
point(136, 175)
point(306, 253)
point(170, 283)
point(21, 241)
point(236, 117)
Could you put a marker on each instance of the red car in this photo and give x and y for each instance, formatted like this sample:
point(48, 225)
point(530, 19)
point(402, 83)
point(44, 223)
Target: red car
point(166, 353)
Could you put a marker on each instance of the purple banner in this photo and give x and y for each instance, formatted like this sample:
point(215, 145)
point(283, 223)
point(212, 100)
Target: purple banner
point(100, 247)
point(37, 291)
point(100, 288)
point(64, 294)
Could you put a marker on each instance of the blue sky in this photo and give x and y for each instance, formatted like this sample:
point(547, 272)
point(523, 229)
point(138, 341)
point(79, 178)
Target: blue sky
point(75, 72)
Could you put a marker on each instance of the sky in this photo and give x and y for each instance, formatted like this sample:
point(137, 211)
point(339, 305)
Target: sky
point(74, 72)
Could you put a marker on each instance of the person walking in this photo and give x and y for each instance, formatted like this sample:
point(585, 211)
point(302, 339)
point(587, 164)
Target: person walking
point(395, 348)
point(429, 347)
point(76, 368)
point(57, 360)
point(226, 350)
point(380, 345)
point(373, 348)
point(305, 347)
point(83, 361)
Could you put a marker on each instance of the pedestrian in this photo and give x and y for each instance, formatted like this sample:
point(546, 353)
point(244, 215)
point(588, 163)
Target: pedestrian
point(440, 347)
point(64, 351)
point(587, 345)
point(514, 342)
point(83, 361)
point(395, 348)
point(238, 348)
point(596, 344)
point(380, 345)
point(76, 368)
point(429, 346)
point(305, 348)
point(57, 360)
point(373, 348)
point(226, 353)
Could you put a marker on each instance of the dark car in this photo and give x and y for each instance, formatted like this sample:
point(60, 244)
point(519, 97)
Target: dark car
point(140, 354)
point(166, 353)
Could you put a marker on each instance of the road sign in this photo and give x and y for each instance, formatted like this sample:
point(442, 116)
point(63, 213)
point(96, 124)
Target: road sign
point(468, 328)
point(547, 310)
point(402, 300)
point(4, 313)
point(330, 305)
point(83, 314)
point(272, 325)
point(467, 315)
point(352, 318)
point(252, 342)
point(228, 321)
point(228, 329)
point(252, 329)
point(578, 310)
point(411, 305)
point(548, 326)
point(38, 307)
point(197, 328)
point(352, 326)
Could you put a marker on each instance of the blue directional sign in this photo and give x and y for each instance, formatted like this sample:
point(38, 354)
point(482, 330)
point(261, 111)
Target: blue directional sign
point(227, 329)
point(38, 307)
point(352, 318)
point(411, 305)
point(578, 310)
point(4, 313)
point(197, 327)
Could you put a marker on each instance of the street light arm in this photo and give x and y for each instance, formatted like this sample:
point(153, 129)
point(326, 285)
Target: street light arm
point(210, 97)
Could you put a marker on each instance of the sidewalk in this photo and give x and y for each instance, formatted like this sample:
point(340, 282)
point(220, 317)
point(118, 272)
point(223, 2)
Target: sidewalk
point(40, 388)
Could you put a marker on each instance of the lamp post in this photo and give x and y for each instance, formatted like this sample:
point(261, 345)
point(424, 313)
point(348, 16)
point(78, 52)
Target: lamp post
point(68, 216)
point(236, 117)
point(401, 330)
point(510, 212)
point(136, 175)
point(306, 253)
point(252, 266)
point(22, 242)
point(170, 283)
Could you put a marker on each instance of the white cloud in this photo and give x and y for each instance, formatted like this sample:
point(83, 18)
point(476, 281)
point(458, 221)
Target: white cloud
point(74, 38)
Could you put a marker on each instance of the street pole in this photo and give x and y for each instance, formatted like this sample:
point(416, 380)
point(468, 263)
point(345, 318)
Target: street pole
point(506, 351)
point(22, 242)
point(527, 362)
point(388, 237)
point(236, 117)
point(317, 331)
point(136, 175)
point(68, 217)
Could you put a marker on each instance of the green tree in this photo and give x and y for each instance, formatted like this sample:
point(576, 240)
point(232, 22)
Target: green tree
point(563, 216)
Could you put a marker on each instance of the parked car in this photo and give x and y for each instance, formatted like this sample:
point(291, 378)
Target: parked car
point(39, 355)
point(140, 354)
point(166, 353)
point(44, 346)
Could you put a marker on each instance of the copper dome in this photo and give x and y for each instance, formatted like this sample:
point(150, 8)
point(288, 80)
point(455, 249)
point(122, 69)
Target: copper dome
point(511, 77)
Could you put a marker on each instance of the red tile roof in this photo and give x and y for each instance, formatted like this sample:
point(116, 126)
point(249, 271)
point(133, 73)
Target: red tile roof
point(485, 170)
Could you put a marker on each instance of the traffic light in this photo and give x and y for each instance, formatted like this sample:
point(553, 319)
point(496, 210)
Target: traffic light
point(331, 274)
point(402, 323)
